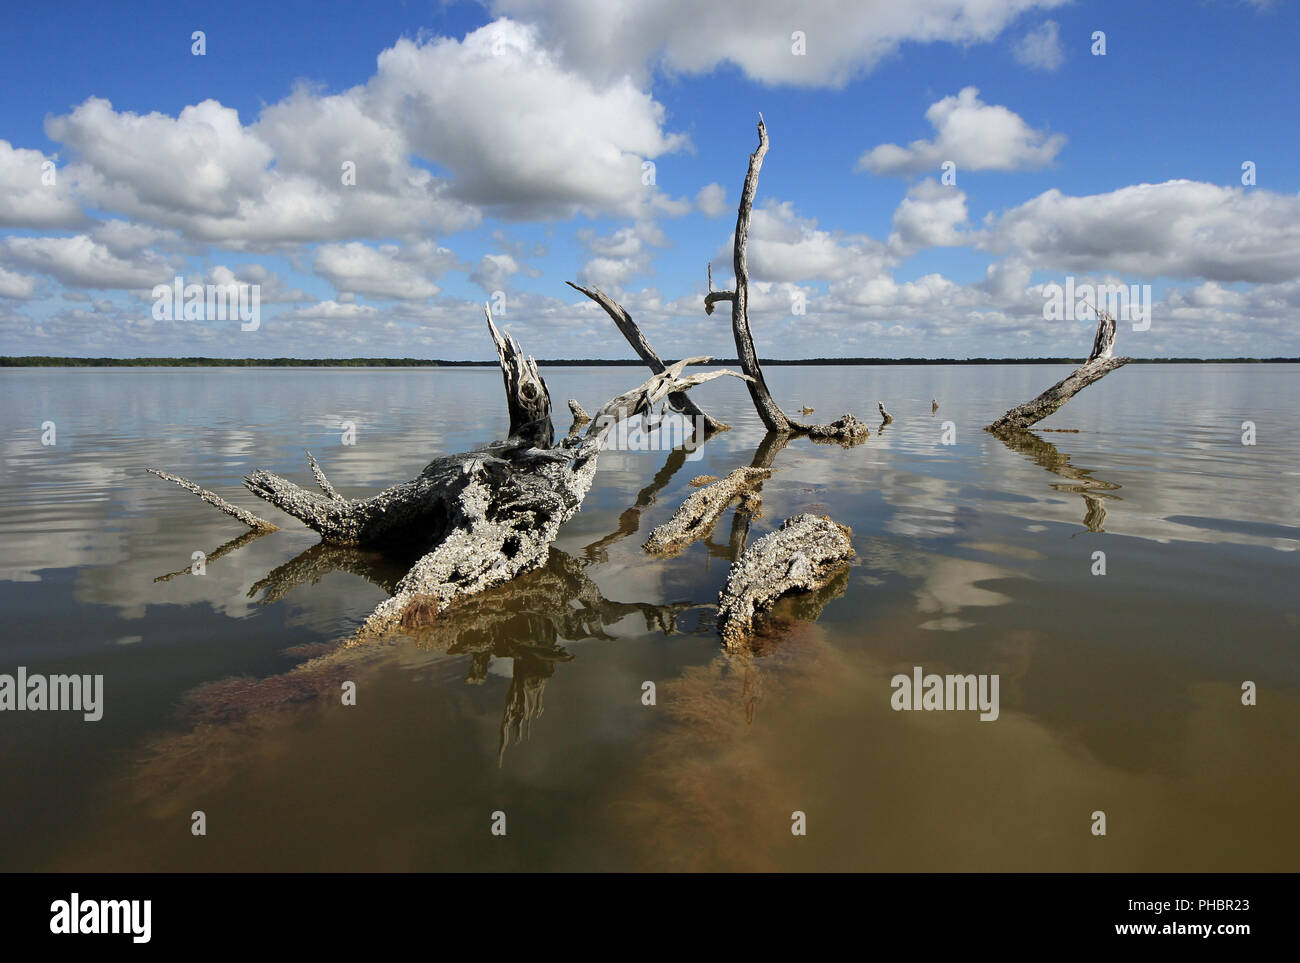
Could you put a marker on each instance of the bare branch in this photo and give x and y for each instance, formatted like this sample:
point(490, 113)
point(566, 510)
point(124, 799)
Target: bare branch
point(713, 297)
point(641, 346)
point(641, 398)
point(217, 502)
point(773, 417)
point(1100, 363)
point(322, 481)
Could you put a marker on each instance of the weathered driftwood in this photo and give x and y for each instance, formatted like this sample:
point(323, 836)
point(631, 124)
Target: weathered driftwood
point(847, 427)
point(844, 429)
point(322, 482)
point(805, 553)
point(505, 516)
point(475, 519)
point(1099, 364)
point(701, 511)
point(580, 416)
point(623, 321)
point(217, 502)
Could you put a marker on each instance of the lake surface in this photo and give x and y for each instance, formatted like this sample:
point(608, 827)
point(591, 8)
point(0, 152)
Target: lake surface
point(1119, 693)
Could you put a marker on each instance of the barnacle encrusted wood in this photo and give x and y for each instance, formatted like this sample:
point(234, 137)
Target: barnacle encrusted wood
point(701, 510)
point(805, 553)
point(474, 519)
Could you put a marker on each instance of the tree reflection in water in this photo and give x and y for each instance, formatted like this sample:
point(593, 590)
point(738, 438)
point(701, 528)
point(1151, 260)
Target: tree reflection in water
point(1043, 452)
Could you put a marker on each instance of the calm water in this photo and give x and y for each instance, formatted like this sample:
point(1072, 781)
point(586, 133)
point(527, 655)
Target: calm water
point(1119, 693)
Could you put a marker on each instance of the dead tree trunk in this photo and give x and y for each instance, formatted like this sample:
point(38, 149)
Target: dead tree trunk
point(845, 427)
point(479, 518)
point(679, 400)
point(1099, 364)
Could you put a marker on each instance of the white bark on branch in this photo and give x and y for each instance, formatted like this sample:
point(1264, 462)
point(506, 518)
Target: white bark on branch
point(846, 428)
point(679, 400)
point(1099, 364)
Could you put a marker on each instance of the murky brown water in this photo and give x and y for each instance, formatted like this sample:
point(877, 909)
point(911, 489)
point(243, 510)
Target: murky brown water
point(1119, 693)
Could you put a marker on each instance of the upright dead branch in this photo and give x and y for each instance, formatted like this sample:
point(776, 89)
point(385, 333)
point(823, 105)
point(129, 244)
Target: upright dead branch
point(846, 427)
point(773, 417)
point(322, 482)
point(679, 400)
point(805, 553)
point(526, 395)
point(580, 416)
point(1099, 364)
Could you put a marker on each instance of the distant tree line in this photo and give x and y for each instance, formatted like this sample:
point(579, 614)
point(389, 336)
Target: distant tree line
point(49, 361)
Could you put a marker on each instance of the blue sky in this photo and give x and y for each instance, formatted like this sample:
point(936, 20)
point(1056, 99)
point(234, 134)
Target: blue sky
point(499, 151)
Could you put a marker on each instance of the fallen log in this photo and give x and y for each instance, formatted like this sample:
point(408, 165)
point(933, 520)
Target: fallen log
point(506, 515)
point(478, 518)
point(1099, 364)
point(701, 510)
point(804, 554)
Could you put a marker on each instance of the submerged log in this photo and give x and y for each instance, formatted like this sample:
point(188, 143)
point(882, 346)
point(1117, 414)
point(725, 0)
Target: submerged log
point(804, 554)
point(701, 510)
point(1099, 364)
